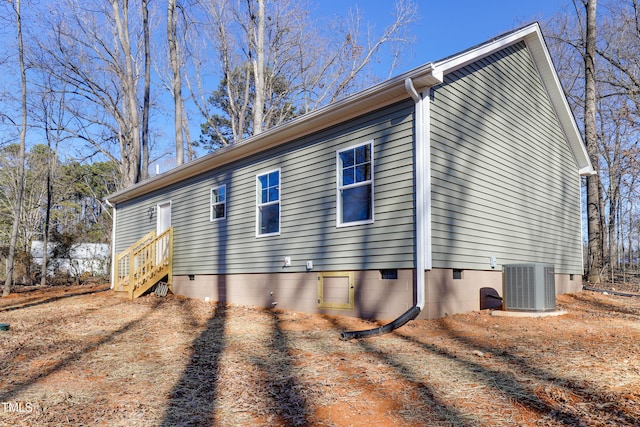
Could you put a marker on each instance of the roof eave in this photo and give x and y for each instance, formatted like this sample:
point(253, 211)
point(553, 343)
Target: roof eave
point(542, 58)
point(373, 98)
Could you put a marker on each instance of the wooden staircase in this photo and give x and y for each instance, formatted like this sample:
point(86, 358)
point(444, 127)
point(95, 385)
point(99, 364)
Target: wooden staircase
point(144, 264)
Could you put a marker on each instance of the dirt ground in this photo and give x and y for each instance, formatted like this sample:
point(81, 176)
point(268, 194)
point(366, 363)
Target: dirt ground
point(81, 356)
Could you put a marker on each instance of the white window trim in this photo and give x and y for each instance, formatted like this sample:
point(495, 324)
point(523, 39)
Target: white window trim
point(259, 204)
point(339, 222)
point(211, 204)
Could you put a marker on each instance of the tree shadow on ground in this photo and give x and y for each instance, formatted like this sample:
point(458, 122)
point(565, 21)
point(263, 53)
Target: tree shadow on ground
point(506, 381)
point(69, 358)
point(284, 387)
point(34, 301)
point(192, 400)
point(428, 399)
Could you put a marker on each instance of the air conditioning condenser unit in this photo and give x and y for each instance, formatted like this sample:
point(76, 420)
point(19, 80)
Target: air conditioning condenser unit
point(529, 287)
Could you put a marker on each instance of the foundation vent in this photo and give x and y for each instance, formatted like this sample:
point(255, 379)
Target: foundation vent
point(529, 287)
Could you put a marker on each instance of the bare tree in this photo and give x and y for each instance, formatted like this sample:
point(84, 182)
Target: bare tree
point(146, 102)
point(612, 136)
point(47, 222)
point(590, 132)
point(128, 78)
point(93, 48)
point(176, 81)
point(256, 44)
point(617, 116)
point(276, 63)
point(620, 48)
point(6, 290)
point(49, 115)
point(355, 47)
point(34, 193)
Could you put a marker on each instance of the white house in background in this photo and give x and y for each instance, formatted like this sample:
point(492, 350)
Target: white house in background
point(92, 258)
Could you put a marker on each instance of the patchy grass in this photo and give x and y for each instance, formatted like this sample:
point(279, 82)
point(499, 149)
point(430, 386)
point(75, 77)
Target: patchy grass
point(80, 356)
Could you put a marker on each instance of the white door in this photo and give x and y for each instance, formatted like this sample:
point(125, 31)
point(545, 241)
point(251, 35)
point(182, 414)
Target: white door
point(164, 217)
point(163, 224)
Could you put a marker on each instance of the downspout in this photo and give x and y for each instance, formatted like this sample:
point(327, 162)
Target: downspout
point(422, 218)
point(113, 243)
point(423, 182)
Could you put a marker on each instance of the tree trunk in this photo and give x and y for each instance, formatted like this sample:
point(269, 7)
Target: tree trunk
point(176, 83)
point(6, 290)
point(258, 70)
point(612, 227)
point(144, 167)
point(191, 155)
point(45, 234)
point(132, 149)
point(630, 235)
point(593, 193)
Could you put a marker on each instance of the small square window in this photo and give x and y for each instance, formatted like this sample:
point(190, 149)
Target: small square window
point(457, 274)
point(218, 203)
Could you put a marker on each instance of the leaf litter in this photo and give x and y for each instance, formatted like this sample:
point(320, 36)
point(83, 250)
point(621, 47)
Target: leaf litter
point(81, 356)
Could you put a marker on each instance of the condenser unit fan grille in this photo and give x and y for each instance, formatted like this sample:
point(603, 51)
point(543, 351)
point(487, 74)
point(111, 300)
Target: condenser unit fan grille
point(529, 287)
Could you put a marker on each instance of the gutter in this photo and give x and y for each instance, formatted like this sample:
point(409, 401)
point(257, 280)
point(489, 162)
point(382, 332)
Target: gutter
point(423, 214)
point(588, 171)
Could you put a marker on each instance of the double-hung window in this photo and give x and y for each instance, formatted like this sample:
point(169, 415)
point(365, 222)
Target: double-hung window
point(268, 203)
point(218, 203)
point(355, 185)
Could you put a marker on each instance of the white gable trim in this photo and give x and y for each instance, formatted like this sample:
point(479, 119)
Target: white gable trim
point(532, 36)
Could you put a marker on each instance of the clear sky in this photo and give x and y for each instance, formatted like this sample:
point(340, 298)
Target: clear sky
point(447, 27)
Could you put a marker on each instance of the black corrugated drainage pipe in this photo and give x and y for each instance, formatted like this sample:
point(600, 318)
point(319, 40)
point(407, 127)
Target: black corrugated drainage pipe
point(410, 314)
point(605, 291)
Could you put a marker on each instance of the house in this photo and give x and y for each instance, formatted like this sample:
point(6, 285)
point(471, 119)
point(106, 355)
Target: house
point(414, 192)
point(82, 258)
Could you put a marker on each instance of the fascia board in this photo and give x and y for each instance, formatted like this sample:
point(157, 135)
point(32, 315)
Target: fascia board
point(373, 98)
point(468, 56)
point(551, 81)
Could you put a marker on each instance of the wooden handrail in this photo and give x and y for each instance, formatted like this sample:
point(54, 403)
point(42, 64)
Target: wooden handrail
point(123, 260)
point(144, 263)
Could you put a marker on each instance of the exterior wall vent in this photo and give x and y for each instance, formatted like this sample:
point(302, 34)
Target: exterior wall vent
point(529, 287)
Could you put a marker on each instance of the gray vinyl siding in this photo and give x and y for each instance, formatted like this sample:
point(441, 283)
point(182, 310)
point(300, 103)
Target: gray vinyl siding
point(504, 183)
point(307, 204)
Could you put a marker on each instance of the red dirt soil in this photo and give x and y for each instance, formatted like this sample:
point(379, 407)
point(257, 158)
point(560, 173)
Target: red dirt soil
point(81, 356)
